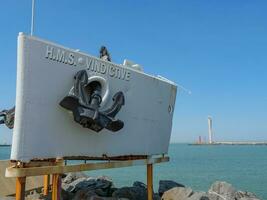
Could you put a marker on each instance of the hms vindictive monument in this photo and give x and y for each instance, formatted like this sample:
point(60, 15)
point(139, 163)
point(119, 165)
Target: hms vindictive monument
point(72, 104)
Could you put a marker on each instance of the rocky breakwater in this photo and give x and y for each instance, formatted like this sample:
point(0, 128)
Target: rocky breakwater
point(78, 186)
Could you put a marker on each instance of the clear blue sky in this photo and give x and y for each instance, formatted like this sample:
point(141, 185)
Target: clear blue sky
point(217, 49)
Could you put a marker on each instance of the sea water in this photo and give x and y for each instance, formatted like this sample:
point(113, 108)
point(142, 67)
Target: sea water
point(245, 167)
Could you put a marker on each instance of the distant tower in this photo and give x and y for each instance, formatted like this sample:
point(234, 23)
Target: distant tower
point(210, 130)
point(199, 140)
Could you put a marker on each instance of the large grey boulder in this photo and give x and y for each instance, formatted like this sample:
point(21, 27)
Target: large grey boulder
point(165, 185)
point(156, 197)
point(66, 195)
point(104, 186)
point(199, 196)
point(83, 195)
point(132, 193)
point(215, 196)
point(137, 192)
point(78, 184)
point(243, 195)
point(90, 195)
point(139, 184)
point(33, 195)
point(177, 193)
point(222, 191)
point(101, 186)
point(70, 177)
point(248, 198)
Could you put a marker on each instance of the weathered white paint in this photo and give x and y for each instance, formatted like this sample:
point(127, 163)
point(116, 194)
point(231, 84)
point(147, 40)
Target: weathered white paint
point(43, 129)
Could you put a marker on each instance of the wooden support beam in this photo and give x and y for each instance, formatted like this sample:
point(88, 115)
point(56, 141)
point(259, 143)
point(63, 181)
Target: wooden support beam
point(20, 188)
point(60, 169)
point(46, 184)
point(150, 181)
point(56, 186)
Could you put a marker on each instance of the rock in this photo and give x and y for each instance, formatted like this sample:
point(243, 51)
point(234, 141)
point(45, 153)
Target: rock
point(66, 195)
point(241, 194)
point(221, 191)
point(103, 183)
point(70, 177)
point(33, 195)
point(213, 196)
point(77, 184)
point(100, 186)
point(177, 193)
point(139, 184)
point(199, 196)
point(103, 186)
point(90, 195)
point(132, 193)
point(248, 198)
point(204, 198)
point(156, 197)
point(112, 190)
point(84, 195)
point(165, 185)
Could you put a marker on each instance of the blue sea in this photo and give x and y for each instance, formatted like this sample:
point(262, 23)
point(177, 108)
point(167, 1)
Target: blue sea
point(245, 167)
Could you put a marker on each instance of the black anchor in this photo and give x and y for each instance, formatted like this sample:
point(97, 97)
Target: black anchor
point(84, 101)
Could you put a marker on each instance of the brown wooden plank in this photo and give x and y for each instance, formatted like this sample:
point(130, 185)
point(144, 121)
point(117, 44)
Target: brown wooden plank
point(20, 188)
point(8, 185)
point(56, 186)
point(150, 181)
point(46, 184)
point(37, 171)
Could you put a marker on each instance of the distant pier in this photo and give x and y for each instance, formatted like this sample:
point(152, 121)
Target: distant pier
point(231, 143)
point(212, 142)
point(5, 145)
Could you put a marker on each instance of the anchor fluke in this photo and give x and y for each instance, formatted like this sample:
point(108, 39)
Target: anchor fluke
point(84, 100)
point(8, 117)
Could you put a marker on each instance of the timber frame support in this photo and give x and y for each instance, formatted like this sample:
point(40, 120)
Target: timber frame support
point(20, 187)
point(57, 169)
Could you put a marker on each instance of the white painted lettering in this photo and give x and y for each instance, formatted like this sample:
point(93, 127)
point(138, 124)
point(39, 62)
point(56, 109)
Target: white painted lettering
point(123, 73)
point(111, 71)
point(60, 56)
point(92, 64)
point(103, 68)
point(128, 75)
point(88, 63)
point(49, 52)
point(71, 59)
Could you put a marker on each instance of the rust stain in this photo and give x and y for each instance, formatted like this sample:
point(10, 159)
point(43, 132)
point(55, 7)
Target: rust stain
point(105, 157)
point(53, 161)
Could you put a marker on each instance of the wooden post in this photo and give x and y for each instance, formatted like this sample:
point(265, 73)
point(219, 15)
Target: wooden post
point(150, 181)
point(56, 186)
point(20, 188)
point(46, 184)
